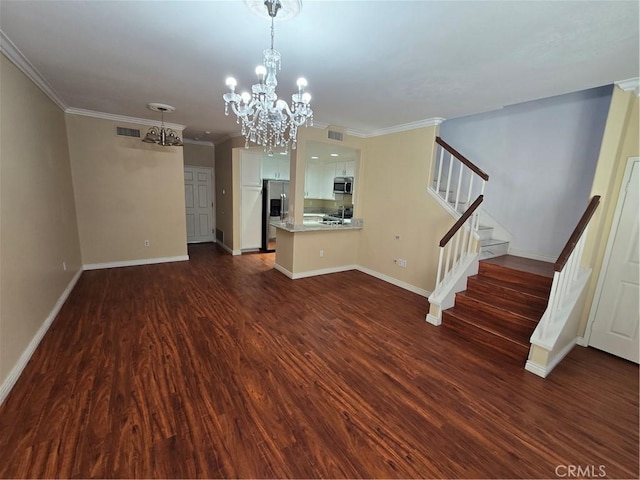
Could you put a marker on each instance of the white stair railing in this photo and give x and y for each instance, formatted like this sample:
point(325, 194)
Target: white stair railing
point(565, 278)
point(458, 243)
point(454, 176)
point(458, 252)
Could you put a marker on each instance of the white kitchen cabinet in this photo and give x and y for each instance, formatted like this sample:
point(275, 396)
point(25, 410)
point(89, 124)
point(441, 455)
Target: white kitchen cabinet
point(275, 167)
point(313, 180)
point(250, 218)
point(250, 168)
point(328, 174)
point(345, 169)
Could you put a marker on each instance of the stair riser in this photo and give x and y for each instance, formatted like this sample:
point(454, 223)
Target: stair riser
point(491, 346)
point(485, 233)
point(507, 298)
point(511, 326)
point(529, 281)
point(491, 251)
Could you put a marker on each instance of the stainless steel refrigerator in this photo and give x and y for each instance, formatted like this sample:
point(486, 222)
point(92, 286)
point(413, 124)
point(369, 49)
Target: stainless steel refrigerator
point(275, 204)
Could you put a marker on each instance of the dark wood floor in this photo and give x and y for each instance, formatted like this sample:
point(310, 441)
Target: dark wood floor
point(223, 367)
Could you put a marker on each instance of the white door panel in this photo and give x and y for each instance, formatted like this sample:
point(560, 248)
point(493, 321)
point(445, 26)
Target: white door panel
point(197, 199)
point(617, 318)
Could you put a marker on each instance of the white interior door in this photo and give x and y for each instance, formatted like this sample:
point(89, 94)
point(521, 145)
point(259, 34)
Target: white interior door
point(616, 322)
point(197, 199)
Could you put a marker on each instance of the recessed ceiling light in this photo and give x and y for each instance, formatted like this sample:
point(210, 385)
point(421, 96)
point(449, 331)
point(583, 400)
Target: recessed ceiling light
point(334, 155)
point(315, 158)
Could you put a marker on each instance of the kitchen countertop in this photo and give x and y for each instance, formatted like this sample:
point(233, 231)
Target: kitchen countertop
point(356, 224)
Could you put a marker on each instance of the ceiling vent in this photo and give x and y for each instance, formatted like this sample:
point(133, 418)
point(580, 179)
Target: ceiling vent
point(127, 132)
point(333, 135)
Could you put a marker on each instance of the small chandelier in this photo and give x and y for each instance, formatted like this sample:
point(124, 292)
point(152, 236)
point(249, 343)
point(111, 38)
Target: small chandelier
point(161, 135)
point(267, 120)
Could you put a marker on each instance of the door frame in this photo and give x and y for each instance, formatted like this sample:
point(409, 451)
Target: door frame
point(607, 253)
point(212, 198)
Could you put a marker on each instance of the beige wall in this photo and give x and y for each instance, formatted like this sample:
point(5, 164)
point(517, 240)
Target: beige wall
point(340, 248)
point(394, 201)
point(198, 155)
point(391, 197)
point(621, 140)
point(37, 219)
point(126, 192)
point(224, 189)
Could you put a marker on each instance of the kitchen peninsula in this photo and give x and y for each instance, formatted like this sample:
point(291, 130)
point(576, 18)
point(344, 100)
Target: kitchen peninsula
point(316, 248)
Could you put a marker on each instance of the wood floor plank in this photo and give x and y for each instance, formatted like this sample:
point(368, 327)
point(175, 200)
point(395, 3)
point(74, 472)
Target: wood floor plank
point(221, 367)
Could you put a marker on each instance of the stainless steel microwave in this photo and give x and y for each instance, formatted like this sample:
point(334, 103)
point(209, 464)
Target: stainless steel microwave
point(343, 185)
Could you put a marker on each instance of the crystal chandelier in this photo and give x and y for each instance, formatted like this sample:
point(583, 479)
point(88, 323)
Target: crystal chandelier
point(161, 135)
point(265, 119)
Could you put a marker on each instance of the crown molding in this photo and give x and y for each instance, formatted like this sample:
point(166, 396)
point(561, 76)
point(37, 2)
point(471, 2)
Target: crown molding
point(207, 143)
point(122, 118)
point(630, 84)
point(428, 122)
point(9, 49)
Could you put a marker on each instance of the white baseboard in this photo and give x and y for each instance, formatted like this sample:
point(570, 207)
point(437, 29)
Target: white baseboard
point(16, 371)
point(582, 341)
point(544, 370)
point(394, 281)
point(313, 273)
point(533, 256)
point(135, 263)
point(433, 320)
point(360, 268)
point(232, 252)
point(536, 369)
point(324, 271)
point(283, 270)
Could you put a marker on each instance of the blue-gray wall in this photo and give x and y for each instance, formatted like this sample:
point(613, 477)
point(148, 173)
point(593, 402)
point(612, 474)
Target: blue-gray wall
point(541, 158)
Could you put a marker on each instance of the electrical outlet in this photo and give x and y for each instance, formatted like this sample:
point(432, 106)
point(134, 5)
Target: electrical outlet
point(146, 243)
point(321, 253)
point(402, 263)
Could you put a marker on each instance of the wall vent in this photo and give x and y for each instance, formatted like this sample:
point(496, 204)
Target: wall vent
point(127, 132)
point(219, 235)
point(333, 135)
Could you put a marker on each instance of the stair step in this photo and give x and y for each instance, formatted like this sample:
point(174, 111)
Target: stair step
point(506, 295)
point(479, 312)
point(484, 232)
point(483, 342)
point(533, 275)
point(462, 206)
point(492, 247)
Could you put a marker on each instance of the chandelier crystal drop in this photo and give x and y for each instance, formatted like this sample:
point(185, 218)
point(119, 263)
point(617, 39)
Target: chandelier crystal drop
point(266, 120)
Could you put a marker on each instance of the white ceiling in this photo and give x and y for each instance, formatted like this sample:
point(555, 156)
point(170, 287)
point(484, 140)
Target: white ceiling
point(371, 65)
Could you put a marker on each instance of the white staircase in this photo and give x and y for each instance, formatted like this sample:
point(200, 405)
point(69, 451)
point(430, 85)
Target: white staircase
point(458, 186)
point(490, 244)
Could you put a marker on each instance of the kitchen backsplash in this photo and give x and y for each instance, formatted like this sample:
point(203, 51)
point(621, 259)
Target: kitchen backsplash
point(319, 205)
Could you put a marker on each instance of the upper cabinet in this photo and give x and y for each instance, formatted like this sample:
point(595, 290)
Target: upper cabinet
point(345, 169)
point(251, 168)
point(312, 180)
point(324, 163)
point(275, 167)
